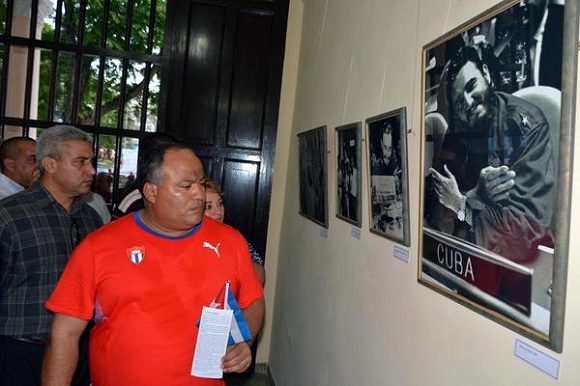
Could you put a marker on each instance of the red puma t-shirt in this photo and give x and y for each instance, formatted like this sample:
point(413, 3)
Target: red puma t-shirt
point(146, 292)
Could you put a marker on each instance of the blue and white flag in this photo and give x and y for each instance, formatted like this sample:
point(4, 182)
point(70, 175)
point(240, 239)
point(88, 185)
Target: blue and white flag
point(239, 330)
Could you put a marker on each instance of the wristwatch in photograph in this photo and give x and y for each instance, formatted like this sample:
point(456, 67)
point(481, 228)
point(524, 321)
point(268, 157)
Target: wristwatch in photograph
point(461, 210)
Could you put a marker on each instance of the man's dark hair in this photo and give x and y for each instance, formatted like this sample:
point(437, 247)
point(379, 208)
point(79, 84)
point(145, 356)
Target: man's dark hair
point(461, 56)
point(9, 150)
point(152, 140)
point(149, 167)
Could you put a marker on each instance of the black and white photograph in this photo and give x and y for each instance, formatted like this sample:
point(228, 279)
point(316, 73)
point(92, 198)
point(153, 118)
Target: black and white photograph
point(313, 175)
point(492, 97)
point(348, 173)
point(388, 178)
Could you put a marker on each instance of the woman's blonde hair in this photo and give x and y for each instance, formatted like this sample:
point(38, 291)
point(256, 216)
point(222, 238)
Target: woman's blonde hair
point(212, 186)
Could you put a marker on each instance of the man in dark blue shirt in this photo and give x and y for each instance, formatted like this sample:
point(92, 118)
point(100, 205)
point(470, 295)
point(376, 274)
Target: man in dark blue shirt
point(39, 227)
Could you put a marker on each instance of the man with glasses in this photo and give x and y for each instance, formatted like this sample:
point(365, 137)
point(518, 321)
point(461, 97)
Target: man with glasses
point(39, 227)
point(146, 278)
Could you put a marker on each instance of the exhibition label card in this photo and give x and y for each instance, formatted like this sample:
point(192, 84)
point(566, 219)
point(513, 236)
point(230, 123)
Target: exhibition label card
point(324, 233)
point(355, 232)
point(401, 253)
point(538, 359)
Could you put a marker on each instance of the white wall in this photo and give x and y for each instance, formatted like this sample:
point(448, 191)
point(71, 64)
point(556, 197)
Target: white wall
point(343, 311)
point(283, 138)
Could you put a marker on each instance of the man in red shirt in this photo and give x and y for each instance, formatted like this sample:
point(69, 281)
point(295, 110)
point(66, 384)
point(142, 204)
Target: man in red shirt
point(145, 278)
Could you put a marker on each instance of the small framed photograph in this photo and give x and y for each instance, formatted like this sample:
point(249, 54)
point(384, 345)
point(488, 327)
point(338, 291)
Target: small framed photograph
point(313, 175)
point(498, 97)
point(348, 173)
point(388, 175)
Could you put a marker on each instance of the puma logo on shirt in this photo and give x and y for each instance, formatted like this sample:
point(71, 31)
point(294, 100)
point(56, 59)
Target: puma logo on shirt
point(215, 249)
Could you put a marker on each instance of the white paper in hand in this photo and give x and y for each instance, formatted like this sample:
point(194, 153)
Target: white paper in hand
point(212, 340)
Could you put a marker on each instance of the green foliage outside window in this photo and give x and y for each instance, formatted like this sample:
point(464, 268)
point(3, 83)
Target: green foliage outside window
point(90, 65)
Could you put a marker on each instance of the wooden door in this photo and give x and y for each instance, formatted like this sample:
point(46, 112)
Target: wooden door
point(222, 75)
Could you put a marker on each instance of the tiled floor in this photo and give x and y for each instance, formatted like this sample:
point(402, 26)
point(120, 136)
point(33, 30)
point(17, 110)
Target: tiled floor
point(257, 379)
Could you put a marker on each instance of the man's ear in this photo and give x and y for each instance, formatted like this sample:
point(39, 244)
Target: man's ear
point(49, 165)
point(8, 164)
point(150, 192)
point(486, 74)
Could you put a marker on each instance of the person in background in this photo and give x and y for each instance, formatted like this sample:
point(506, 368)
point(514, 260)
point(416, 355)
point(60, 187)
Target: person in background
point(146, 278)
point(39, 228)
point(104, 186)
point(352, 187)
point(97, 202)
point(214, 208)
point(386, 162)
point(18, 165)
point(131, 199)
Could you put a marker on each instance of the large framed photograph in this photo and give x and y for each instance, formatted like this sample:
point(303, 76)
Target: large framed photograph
point(497, 136)
point(388, 175)
point(313, 175)
point(348, 176)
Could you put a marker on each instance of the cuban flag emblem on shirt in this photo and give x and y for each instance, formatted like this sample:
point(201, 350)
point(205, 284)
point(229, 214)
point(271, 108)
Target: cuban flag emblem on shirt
point(136, 254)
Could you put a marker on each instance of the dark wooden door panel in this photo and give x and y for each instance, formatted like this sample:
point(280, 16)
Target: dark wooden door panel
point(240, 180)
point(250, 79)
point(207, 162)
point(199, 110)
point(223, 68)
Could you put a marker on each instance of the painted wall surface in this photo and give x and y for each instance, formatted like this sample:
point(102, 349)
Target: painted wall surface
point(344, 311)
point(283, 139)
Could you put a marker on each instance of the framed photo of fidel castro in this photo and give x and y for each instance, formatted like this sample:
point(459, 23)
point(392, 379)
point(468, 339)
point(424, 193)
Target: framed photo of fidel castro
point(497, 118)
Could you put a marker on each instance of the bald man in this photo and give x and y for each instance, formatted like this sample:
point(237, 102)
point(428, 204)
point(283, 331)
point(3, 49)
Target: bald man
point(18, 165)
